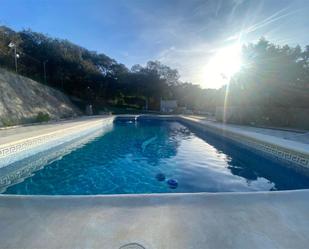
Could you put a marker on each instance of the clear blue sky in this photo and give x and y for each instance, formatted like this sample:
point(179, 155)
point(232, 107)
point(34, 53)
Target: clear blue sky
point(183, 34)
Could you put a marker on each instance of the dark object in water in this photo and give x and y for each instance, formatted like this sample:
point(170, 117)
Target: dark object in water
point(172, 183)
point(160, 177)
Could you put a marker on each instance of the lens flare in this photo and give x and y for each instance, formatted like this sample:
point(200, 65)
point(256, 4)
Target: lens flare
point(225, 63)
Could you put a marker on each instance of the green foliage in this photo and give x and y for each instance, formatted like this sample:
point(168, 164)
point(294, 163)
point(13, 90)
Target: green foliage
point(92, 77)
point(273, 76)
point(42, 117)
point(7, 122)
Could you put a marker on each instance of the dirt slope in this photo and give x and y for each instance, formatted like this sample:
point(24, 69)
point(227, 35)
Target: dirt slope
point(21, 99)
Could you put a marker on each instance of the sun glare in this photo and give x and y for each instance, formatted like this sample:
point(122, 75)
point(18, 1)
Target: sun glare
point(225, 63)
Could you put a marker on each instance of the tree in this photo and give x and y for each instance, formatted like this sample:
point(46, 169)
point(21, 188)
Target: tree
point(273, 76)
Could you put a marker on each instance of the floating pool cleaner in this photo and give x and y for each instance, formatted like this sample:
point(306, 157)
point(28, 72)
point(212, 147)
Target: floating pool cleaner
point(172, 183)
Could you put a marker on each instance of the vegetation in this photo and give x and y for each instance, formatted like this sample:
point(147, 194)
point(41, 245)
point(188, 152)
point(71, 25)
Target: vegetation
point(273, 86)
point(39, 118)
point(272, 76)
point(42, 117)
point(96, 78)
point(7, 122)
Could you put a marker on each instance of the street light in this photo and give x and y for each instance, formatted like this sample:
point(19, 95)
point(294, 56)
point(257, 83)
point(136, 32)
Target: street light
point(13, 45)
point(44, 67)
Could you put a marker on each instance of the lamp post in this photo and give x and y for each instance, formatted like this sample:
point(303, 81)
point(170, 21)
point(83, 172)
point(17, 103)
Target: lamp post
point(13, 45)
point(44, 67)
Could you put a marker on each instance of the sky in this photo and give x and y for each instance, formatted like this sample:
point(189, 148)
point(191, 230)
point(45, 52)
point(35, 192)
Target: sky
point(183, 34)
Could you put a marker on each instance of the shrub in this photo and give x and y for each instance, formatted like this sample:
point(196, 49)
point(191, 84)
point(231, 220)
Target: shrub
point(42, 117)
point(7, 122)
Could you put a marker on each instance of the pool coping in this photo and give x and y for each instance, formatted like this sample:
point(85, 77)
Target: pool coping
point(287, 144)
point(295, 153)
point(150, 195)
point(35, 139)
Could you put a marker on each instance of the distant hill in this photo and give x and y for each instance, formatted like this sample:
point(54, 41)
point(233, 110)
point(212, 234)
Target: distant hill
point(22, 99)
point(61, 64)
point(87, 75)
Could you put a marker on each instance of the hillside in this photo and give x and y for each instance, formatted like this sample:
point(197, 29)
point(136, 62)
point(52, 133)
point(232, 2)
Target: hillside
point(21, 99)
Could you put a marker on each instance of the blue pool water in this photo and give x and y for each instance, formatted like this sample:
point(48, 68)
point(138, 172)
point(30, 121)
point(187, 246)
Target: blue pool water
point(152, 156)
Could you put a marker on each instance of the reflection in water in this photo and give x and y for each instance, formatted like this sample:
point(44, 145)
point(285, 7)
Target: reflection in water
point(253, 165)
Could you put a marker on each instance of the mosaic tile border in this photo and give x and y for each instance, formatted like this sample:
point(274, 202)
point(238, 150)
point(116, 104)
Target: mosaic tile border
point(296, 158)
point(20, 170)
point(24, 148)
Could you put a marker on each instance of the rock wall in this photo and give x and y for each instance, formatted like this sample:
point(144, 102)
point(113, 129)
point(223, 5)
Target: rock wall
point(21, 99)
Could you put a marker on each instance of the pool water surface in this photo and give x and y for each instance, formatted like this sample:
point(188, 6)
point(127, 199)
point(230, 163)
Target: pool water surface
point(154, 156)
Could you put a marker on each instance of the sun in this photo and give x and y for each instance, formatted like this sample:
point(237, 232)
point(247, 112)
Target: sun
point(225, 63)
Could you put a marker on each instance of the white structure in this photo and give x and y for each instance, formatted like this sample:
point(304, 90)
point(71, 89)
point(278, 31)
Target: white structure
point(168, 105)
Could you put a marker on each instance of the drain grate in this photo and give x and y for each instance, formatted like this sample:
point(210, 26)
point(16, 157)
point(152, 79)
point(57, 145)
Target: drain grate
point(132, 246)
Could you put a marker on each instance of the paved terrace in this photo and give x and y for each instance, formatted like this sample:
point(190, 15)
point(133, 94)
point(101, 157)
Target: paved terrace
point(221, 220)
point(165, 221)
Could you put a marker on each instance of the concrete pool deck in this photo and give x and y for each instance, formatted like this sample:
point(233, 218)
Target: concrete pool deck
point(158, 221)
point(13, 134)
point(200, 220)
point(300, 136)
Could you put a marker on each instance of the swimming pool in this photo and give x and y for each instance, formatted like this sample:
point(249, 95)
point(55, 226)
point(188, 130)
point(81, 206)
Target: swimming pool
point(157, 156)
